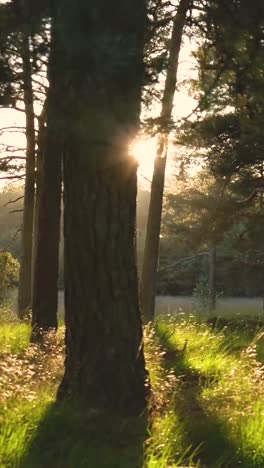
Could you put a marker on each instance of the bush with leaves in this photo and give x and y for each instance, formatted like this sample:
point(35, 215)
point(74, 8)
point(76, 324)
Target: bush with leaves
point(9, 268)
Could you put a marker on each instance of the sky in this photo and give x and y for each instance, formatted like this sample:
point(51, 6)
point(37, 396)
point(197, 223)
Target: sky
point(142, 148)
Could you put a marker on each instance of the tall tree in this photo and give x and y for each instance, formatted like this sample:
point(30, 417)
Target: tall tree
point(23, 44)
point(40, 140)
point(25, 274)
point(151, 252)
point(101, 55)
point(48, 208)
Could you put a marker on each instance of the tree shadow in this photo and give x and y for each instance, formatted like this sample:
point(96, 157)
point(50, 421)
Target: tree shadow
point(69, 436)
point(238, 334)
point(203, 430)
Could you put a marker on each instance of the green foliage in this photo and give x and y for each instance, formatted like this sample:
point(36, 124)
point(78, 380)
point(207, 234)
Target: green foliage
point(9, 268)
point(201, 294)
point(14, 338)
point(10, 223)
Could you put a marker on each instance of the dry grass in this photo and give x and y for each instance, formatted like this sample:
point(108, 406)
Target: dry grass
point(24, 373)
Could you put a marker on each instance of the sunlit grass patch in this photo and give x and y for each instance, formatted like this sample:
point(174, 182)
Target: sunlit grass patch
point(197, 346)
point(166, 445)
point(14, 337)
point(224, 386)
point(251, 434)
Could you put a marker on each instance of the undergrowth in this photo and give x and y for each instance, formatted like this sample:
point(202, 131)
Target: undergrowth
point(206, 407)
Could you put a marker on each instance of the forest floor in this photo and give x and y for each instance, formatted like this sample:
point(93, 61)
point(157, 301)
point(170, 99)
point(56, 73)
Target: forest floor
point(225, 306)
point(206, 407)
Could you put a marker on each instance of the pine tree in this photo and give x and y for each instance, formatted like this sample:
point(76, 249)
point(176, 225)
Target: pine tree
point(101, 74)
point(151, 251)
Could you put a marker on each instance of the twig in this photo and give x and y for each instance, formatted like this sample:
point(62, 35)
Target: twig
point(14, 201)
point(252, 195)
point(182, 260)
point(13, 239)
point(16, 211)
point(13, 177)
point(141, 175)
point(13, 128)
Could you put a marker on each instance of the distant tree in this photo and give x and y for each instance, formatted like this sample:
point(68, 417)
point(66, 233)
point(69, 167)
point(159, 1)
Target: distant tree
point(204, 214)
point(151, 252)
point(230, 78)
point(20, 57)
point(48, 208)
point(25, 275)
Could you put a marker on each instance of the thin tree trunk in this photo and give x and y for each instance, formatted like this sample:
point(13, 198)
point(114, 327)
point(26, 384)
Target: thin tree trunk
point(25, 275)
point(104, 351)
point(39, 173)
point(211, 279)
point(151, 251)
point(45, 290)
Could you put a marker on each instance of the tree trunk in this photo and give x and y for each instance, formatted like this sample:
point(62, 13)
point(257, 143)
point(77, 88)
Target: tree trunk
point(25, 275)
point(42, 120)
point(104, 363)
point(151, 252)
point(211, 280)
point(45, 291)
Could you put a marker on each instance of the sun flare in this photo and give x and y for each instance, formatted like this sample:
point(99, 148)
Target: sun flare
point(144, 150)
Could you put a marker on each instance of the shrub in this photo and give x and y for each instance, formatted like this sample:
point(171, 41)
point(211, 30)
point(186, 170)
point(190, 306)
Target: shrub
point(9, 268)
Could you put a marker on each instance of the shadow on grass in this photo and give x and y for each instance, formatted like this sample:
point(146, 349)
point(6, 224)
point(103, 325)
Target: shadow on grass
point(70, 437)
point(201, 428)
point(239, 334)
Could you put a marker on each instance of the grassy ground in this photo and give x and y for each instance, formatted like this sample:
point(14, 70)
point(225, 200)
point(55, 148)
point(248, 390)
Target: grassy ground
point(206, 406)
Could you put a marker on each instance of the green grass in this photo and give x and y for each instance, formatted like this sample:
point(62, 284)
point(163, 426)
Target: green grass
point(19, 421)
point(45, 434)
point(14, 335)
point(14, 338)
point(206, 406)
point(222, 402)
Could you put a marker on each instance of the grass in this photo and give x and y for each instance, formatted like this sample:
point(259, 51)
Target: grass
point(14, 339)
point(206, 405)
point(222, 399)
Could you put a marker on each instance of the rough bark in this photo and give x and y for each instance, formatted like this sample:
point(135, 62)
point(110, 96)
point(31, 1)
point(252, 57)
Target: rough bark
point(25, 275)
point(104, 363)
point(45, 290)
point(211, 279)
point(151, 251)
